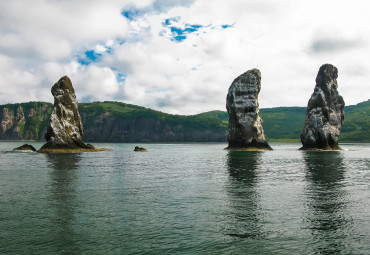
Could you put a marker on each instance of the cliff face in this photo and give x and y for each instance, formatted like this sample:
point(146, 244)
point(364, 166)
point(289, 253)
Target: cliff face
point(108, 128)
point(24, 121)
point(279, 123)
point(28, 121)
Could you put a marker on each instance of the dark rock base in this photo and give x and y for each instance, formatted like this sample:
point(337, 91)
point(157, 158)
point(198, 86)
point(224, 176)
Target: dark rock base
point(68, 150)
point(305, 148)
point(137, 148)
point(253, 146)
point(25, 147)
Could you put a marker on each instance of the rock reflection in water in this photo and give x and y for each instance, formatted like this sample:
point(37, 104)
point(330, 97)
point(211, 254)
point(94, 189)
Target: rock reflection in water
point(327, 200)
point(63, 200)
point(244, 215)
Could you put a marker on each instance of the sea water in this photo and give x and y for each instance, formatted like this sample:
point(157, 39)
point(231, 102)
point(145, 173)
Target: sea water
point(185, 199)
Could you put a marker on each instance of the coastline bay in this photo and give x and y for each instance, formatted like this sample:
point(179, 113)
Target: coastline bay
point(185, 198)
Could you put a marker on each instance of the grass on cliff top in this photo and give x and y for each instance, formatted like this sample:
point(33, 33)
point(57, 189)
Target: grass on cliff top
point(129, 112)
point(280, 124)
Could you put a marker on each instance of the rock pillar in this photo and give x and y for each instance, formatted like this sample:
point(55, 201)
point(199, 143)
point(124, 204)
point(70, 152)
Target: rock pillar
point(245, 129)
point(324, 116)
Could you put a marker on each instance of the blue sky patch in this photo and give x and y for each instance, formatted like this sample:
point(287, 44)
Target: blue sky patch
point(158, 6)
point(170, 21)
point(120, 77)
point(179, 33)
point(131, 13)
point(226, 26)
point(90, 56)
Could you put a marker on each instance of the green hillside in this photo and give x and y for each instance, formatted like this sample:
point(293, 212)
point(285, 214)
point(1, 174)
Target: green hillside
point(28, 121)
point(283, 123)
point(223, 116)
point(279, 124)
point(128, 111)
point(286, 123)
point(356, 126)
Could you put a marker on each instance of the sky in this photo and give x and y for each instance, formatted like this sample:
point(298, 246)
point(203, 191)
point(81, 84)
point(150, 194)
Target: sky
point(181, 56)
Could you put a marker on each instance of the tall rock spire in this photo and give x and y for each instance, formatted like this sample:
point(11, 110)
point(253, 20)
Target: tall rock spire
point(324, 116)
point(245, 129)
point(65, 129)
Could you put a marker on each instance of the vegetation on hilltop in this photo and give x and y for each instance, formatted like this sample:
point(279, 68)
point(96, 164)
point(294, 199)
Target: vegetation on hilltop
point(283, 123)
point(128, 111)
point(280, 124)
point(356, 126)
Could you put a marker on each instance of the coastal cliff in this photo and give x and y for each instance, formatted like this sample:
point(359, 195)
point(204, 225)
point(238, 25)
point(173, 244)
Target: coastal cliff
point(26, 121)
point(146, 125)
point(119, 122)
point(112, 122)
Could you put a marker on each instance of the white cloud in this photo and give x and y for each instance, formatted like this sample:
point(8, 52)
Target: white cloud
point(94, 83)
point(40, 41)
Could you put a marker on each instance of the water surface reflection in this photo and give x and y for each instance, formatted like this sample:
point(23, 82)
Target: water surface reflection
point(245, 212)
point(62, 199)
point(327, 201)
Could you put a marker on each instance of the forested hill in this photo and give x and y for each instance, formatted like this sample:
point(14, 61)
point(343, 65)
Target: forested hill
point(120, 122)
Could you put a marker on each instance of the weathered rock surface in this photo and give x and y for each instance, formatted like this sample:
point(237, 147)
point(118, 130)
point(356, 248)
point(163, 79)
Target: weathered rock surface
point(137, 148)
point(25, 147)
point(325, 114)
point(245, 129)
point(11, 122)
point(65, 130)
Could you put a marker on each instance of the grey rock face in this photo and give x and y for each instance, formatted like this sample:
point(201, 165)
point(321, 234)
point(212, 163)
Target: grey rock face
point(245, 124)
point(325, 114)
point(65, 127)
point(10, 125)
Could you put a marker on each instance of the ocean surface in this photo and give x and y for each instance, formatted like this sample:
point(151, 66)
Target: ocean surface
point(185, 199)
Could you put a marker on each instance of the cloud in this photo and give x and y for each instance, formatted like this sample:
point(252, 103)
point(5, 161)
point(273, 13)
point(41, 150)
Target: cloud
point(329, 45)
point(95, 83)
point(181, 56)
point(176, 31)
point(54, 29)
point(332, 45)
point(133, 12)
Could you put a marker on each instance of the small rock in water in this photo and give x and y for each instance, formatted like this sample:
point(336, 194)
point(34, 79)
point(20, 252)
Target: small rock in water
point(90, 146)
point(245, 129)
point(25, 147)
point(137, 148)
point(324, 116)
